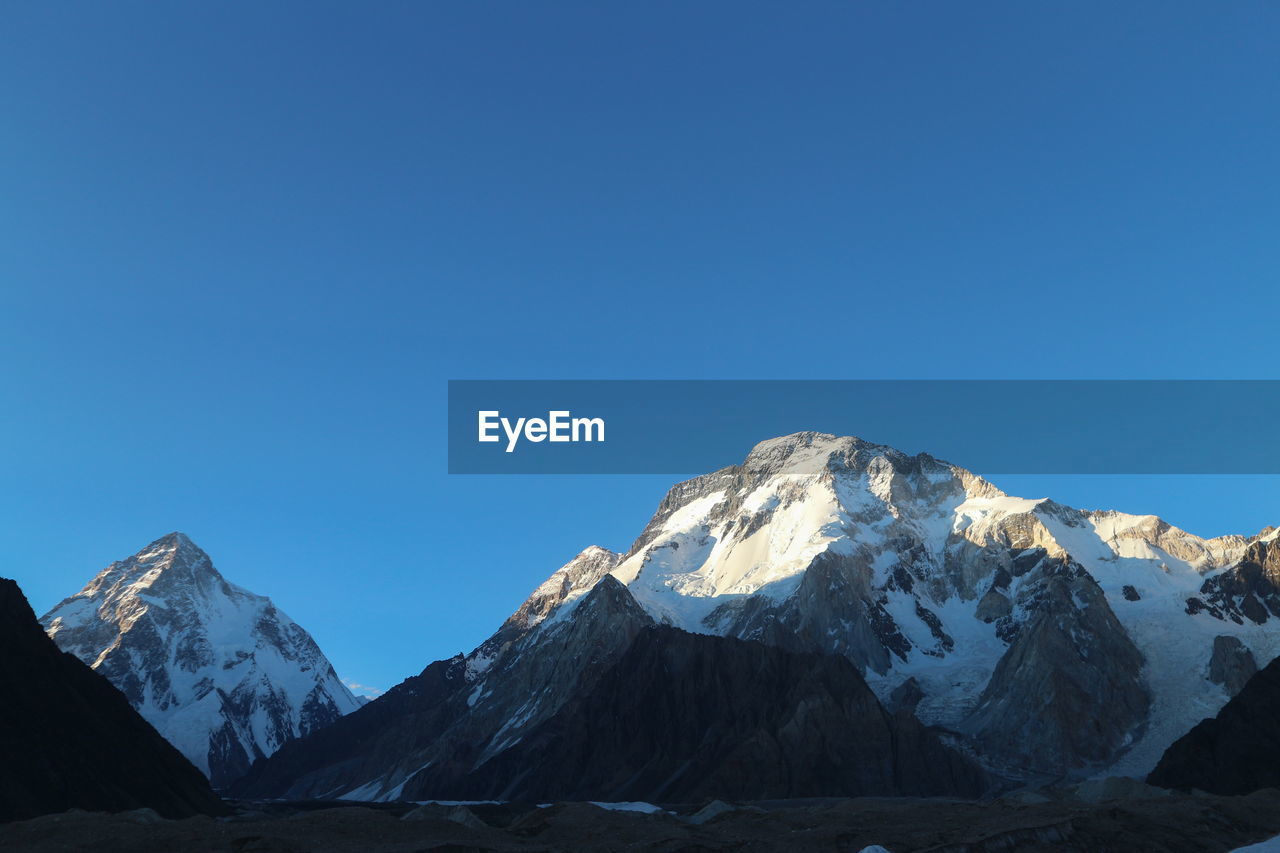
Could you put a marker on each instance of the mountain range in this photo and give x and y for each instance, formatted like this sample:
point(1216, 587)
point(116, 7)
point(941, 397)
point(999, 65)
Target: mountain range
point(1017, 641)
point(831, 617)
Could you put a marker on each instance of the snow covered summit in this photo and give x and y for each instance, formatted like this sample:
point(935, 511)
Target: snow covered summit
point(222, 673)
point(992, 612)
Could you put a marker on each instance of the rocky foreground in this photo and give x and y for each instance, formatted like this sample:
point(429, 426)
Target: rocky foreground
point(1096, 816)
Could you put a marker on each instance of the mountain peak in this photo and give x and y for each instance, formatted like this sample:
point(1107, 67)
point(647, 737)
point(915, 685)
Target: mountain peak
point(172, 557)
point(177, 639)
point(801, 446)
point(809, 452)
point(571, 580)
point(176, 542)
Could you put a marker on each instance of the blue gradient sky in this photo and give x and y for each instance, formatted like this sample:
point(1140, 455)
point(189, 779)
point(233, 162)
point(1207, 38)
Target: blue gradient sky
point(242, 247)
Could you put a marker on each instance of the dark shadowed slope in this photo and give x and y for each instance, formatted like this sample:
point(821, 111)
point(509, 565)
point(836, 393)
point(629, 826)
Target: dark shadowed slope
point(684, 717)
point(1237, 751)
point(71, 740)
point(404, 721)
point(438, 725)
point(673, 716)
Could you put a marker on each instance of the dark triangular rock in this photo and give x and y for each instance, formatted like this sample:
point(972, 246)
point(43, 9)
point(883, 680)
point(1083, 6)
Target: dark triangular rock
point(71, 740)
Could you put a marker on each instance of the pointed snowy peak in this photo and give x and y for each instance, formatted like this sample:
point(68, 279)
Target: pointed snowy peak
point(173, 557)
point(806, 452)
point(219, 671)
point(175, 540)
point(171, 571)
point(579, 574)
point(566, 583)
point(173, 551)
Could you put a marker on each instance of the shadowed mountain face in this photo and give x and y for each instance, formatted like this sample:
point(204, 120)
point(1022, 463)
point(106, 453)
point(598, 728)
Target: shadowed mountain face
point(668, 715)
point(434, 728)
point(683, 717)
point(71, 740)
point(1236, 752)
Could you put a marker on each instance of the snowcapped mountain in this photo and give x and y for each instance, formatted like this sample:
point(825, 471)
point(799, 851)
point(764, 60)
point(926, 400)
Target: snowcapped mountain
point(1043, 641)
point(222, 673)
point(1008, 615)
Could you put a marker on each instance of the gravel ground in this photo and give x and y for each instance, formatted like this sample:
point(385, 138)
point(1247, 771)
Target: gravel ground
point(1086, 820)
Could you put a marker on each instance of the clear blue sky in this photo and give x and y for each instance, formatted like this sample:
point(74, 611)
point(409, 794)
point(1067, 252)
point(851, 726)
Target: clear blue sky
point(242, 247)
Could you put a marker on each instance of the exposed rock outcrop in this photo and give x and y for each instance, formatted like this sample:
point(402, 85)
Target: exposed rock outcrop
point(1249, 590)
point(905, 697)
point(994, 605)
point(1231, 664)
point(1069, 685)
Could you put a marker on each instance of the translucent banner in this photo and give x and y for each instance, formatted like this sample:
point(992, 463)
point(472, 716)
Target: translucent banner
point(990, 426)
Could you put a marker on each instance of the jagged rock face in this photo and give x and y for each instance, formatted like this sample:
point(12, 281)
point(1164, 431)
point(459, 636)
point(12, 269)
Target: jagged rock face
point(431, 732)
point(1236, 752)
point(222, 673)
point(993, 605)
point(1231, 664)
point(832, 592)
point(905, 697)
point(1069, 685)
point(684, 717)
point(1249, 590)
point(71, 740)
